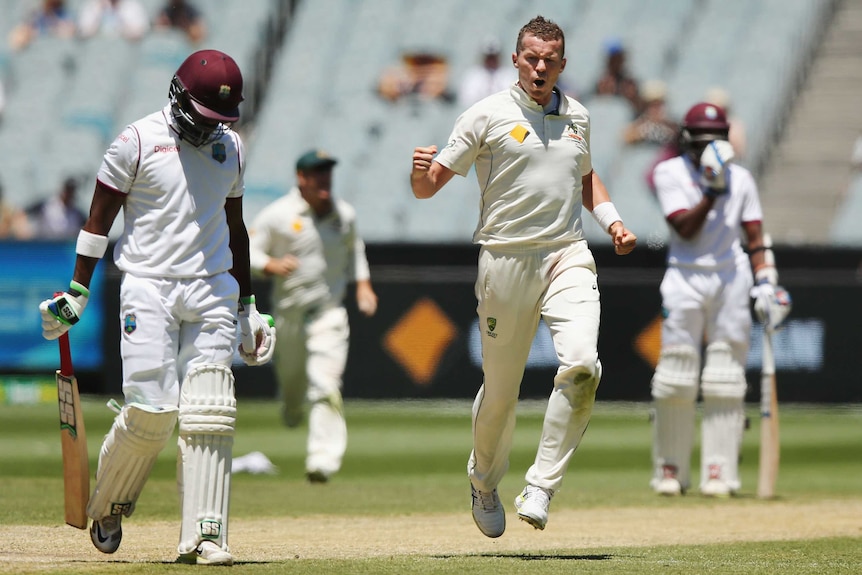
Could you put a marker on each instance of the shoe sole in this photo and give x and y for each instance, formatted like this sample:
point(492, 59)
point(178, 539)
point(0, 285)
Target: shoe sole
point(532, 521)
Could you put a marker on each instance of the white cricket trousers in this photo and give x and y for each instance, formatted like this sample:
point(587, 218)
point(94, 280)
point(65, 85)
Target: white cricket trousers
point(170, 326)
point(310, 357)
point(516, 287)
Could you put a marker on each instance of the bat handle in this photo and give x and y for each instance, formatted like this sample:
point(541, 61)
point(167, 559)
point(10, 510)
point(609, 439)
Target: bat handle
point(65, 351)
point(65, 355)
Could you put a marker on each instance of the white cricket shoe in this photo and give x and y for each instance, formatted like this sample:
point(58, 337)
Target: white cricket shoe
point(715, 488)
point(207, 553)
point(668, 486)
point(533, 504)
point(488, 512)
point(106, 533)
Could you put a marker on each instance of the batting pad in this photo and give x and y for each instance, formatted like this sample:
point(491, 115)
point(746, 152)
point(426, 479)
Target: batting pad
point(722, 426)
point(673, 439)
point(674, 392)
point(207, 425)
point(127, 456)
point(723, 373)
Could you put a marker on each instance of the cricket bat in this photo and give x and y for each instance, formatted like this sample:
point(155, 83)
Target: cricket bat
point(73, 438)
point(769, 442)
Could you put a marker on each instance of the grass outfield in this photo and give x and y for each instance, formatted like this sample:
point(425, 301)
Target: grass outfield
point(401, 502)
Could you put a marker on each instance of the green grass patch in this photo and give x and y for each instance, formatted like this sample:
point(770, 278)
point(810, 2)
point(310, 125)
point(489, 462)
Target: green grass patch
point(410, 458)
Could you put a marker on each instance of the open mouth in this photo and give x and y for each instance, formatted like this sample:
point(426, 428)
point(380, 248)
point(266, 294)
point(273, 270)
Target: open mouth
point(539, 82)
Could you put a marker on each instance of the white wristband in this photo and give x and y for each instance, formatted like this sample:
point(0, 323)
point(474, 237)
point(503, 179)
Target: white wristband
point(91, 245)
point(606, 214)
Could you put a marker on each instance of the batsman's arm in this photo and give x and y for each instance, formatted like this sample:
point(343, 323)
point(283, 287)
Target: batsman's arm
point(239, 245)
point(105, 206)
point(64, 310)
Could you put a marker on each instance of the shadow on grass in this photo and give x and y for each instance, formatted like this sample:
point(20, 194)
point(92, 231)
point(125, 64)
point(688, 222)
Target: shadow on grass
point(534, 556)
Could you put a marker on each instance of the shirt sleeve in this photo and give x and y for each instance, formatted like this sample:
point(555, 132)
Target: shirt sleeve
point(120, 163)
point(238, 188)
point(465, 141)
point(669, 191)
point(752, 211)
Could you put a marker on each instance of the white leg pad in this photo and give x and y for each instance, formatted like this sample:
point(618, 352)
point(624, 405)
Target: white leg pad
point(327, 435)
point(127, 456)
point(674, 392)
point(723, 415)
point(207, 426)
point(723, 421)
point(673, 439)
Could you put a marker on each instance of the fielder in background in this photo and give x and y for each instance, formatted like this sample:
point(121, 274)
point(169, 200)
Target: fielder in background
point(531, 148)
point(308, 243)
point(177, 174)
point(706, 199)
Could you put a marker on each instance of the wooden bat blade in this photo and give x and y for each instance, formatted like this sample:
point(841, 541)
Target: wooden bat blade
point(73, 441)
point(769, 438)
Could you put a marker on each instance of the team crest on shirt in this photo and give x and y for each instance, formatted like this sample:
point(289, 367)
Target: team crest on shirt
point(492, 325)
point(297, 225)
point(573, 132)
point(130, 323)
point(219, 153)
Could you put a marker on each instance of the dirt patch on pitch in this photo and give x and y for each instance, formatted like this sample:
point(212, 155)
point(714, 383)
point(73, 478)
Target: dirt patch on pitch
point(34, 549)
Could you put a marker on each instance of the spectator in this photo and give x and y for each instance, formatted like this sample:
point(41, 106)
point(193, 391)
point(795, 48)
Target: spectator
point(58, 217)
point(181, 15)
point(486, 78)
point(13, 221)
point(124, 18)
point(616, 79)
point(737, 138)
point(652, 126)
point(52, 18)
point(422, 74)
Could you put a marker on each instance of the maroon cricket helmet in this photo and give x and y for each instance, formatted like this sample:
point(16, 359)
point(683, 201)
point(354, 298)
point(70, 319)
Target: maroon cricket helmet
point(213, 82)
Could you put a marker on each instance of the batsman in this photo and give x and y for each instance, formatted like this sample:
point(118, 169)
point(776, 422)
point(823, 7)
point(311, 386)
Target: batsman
point(177, 175)
point(707, 201)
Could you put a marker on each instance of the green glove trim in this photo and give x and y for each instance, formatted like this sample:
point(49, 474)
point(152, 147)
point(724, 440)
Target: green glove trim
point(79, 288)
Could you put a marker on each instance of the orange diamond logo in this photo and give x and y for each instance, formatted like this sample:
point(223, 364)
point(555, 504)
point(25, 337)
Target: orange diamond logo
point(419, 340)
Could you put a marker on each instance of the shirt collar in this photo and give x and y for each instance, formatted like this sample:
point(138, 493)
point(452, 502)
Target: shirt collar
point(526, 101)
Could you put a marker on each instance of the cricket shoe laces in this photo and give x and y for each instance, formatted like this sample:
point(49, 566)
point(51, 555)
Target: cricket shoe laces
point(532, 505)
point(107, 533)
point(488, 512)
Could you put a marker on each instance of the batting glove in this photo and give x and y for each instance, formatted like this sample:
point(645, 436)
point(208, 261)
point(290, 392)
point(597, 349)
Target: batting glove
point(63, 310)
point(257, 334)
point(772, 305)
point(713, 166)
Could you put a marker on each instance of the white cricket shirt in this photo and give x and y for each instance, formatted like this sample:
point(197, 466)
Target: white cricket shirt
point(717, 246)
point(329, 249)
point(529, 165)
point(174, 223)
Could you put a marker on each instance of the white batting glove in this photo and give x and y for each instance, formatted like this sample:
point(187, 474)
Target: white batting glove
point(713, 165)
point(772, 305)
point(63, 310)
point(257, 333)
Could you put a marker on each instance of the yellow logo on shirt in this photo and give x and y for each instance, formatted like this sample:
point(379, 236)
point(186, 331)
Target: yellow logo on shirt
point(519, 132)
point(297, 225)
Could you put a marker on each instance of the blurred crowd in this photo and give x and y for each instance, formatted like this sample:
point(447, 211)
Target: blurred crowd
point(124, 18)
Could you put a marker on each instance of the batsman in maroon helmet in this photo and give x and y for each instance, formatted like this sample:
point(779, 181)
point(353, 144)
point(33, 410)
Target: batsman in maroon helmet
point(709, 203)
point(177, 175)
